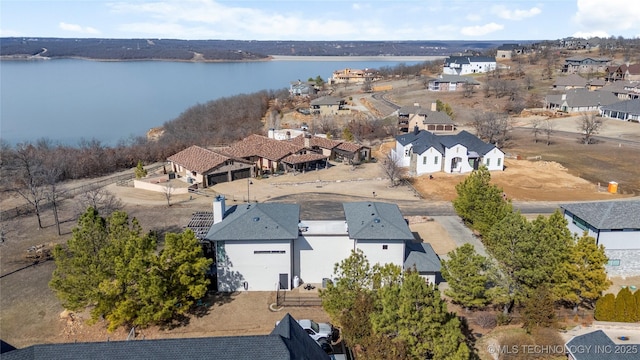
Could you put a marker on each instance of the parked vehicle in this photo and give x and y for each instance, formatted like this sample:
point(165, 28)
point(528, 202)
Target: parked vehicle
point(320, 332)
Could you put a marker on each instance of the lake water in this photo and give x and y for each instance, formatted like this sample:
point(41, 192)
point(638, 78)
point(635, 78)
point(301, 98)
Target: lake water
point(67, 100)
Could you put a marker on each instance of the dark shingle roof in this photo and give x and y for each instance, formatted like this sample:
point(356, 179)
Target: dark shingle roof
point(450, 78)
point(290, 343)
point(468, 140)
point(597, 345)
point(259, 221)
point(301, 346)
point(608, 214)
point(421, 256)
point(423, 140)
point(467, 59)
point(376, 220)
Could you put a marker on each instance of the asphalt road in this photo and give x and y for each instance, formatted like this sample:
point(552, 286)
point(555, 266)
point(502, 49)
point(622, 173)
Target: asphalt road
point(322, 206)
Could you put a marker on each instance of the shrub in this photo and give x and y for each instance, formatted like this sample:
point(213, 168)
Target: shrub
point(605, 308)
point(486, 320)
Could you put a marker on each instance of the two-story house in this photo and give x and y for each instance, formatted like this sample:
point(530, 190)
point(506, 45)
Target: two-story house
point(465, 65)
point(585, 65)
point(265, 246)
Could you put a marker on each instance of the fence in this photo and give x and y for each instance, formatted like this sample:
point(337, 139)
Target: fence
point(286, 298)
point(27, 209)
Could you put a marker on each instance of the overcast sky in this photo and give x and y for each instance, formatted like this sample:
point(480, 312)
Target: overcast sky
point(321, 20)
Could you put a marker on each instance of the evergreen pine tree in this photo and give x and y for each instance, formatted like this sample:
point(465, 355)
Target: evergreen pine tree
point(605, 308)
point(466, 276)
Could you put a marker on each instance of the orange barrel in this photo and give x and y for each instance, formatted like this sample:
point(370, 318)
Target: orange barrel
point(613, 187)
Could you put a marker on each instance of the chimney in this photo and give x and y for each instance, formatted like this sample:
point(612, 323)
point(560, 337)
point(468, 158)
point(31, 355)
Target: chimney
point(416, 130)
point(434, 107)
point(218, 209)
point(564, 96)
point(307, 141)
point(271, 133)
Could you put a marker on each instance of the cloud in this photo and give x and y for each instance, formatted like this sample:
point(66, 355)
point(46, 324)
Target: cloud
point(78, 29)
point(612, 16)
point(590, 34)
point(473, 17)
point(504, 13)
point(481, 30)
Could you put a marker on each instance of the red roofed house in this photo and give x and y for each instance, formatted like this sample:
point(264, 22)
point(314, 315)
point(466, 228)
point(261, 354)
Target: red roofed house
point(270, 155)
point(198, 165)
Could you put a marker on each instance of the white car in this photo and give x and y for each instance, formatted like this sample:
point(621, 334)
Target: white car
point(320, 332)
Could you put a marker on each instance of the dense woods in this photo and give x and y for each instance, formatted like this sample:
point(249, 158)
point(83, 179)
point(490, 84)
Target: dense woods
point(230, 50)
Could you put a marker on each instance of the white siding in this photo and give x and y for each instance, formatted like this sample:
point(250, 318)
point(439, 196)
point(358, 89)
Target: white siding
point(376, 254)
point(315, 256)
point(458, 151)
point(433, 160)
point(403, 154)
point(261, 271)
point(495, 158)
point(620, 240)
point(429, 278)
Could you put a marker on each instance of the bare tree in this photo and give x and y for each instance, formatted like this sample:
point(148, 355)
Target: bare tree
point(100, 199)
point(589, 124)
point(391, 167)
point(468, 90)
point(492, 127)
point(548, 129)
point(53, 192)
point(168, 192)
point(29, 176)
point(535, 129)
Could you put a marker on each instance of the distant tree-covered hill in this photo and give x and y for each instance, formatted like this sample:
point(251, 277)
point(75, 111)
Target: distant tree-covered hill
point(225, 50)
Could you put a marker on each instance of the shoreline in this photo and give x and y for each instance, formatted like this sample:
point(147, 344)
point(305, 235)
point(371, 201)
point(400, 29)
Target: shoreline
point(389, 58)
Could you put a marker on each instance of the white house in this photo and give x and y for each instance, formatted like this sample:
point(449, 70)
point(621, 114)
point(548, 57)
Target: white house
point(265, 246)
point(424, 152)
point(465, 65)
point(615, 225)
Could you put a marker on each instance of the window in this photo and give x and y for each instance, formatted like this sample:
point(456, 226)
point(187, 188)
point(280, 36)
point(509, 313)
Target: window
point(435, 160)
point(385, 247)
point(488, 162)
point(424, 160)
point(269, 252)
point(580, 223)
point(613, 262)
point(221, 254)
point(499, 161)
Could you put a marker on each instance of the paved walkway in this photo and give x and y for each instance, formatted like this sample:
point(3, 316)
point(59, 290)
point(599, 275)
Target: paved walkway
point(460, 233)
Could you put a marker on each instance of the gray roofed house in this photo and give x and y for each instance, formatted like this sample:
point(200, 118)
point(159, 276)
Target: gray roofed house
point(580, 100)
point(421, 257)
point(328, 105)
point(376, 220)
point(615, 225)
point(288, 341)
point(572, 81)
point(448, 82)
point(266, 247)
point(628, 110)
